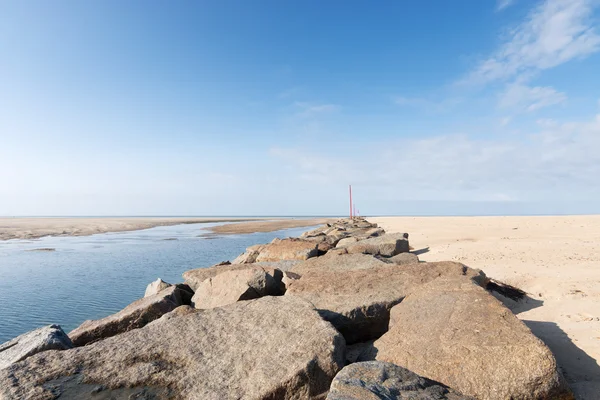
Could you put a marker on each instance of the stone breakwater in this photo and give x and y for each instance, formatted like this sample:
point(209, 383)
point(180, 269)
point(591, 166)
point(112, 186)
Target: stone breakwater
point(343, 312)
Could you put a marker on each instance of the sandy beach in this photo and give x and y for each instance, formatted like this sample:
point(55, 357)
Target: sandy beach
point(556, 260)
point(33, 228)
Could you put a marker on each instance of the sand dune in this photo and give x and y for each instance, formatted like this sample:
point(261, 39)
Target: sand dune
point(555, 259)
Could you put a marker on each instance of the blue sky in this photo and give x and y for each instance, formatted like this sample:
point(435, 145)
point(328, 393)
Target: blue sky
point(274, 107)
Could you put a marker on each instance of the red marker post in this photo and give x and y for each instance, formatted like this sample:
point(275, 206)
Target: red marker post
point(350, 187)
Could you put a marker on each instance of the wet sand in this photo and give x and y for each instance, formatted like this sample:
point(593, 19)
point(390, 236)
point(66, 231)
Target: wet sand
point(32, 228)
point(556, 260)
point(267, 225)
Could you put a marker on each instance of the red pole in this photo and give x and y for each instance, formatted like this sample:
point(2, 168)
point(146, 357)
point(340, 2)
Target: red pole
point(350, 187)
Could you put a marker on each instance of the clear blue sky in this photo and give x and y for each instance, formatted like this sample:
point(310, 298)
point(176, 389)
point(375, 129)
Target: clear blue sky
point(274, 107)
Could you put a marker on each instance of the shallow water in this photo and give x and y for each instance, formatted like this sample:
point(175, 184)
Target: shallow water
point(90, 277)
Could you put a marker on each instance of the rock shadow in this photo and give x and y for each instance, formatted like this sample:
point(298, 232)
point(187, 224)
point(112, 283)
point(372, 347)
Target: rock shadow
point(73, 388)
point(581, 371)
point(420, 251)
point(513, 298)
point(364, 324)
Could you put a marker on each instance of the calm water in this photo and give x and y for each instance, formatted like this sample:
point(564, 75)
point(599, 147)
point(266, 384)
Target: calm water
point(90, 277)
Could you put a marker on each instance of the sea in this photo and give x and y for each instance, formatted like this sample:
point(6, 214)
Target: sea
point(67, 280)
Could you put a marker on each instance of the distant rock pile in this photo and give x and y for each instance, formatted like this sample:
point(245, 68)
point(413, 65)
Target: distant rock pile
point(345, 312)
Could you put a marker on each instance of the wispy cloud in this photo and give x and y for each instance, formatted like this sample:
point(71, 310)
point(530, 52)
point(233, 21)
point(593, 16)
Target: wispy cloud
point(459, 167)
point(291, 92)
point(426, 104)
point(502, 4)
point(312, 109)
point(523, 98)
point(555, 32)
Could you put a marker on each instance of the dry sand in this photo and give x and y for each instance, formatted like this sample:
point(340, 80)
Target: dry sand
point(31, 228)
point(556, 260)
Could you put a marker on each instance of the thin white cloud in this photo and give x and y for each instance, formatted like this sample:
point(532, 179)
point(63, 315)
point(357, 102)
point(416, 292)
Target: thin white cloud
point(547, 123)
point(459, 167)
point(291, 92)
point(312, 109)
point(523, 98)
point(426, 104)
point(555, 32)
point(502, 4)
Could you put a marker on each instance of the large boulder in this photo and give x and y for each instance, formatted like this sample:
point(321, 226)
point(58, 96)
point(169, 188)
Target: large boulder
point(364, 233)
point(236, 285)
point(195, 277)
point(134, 316)
point(347, 241)
point(375, 380)
point(156, 287)
point(249, 256)
point(331, 239)
point(323, 247)
point(336, 263)
point(49, 337)
point(387, 245)
point(372, 232)
point(454, 332)
point(288, 249)
point(402, 259)
point(279, 249)
point(249, 350)
point(355, 292)
point(320, 231)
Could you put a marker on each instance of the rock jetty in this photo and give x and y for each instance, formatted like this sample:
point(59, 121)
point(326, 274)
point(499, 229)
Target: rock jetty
point(343, 312)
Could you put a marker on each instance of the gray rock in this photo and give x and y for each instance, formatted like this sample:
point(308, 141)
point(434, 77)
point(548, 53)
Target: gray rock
point(155, 287)
point(346, 241)
point(196, 276)
point(387, 245)
point(402, 259)
point(323, 248)
point(358, 352)
point(288, 278)
point(375, 380)
point(341, 229)
point(134, 316)
point(279, 249)
point(288, 249)
point(355, 292)
point(335, 263)
point(236, 285)
point(269, 348)
point(249, 256)
point(320, 231)
point(373, 232)
point(454, 332)
point(49, 337)
point(179, 311)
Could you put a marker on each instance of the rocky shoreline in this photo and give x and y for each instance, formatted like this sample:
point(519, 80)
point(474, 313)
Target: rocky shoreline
point(343, 312)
